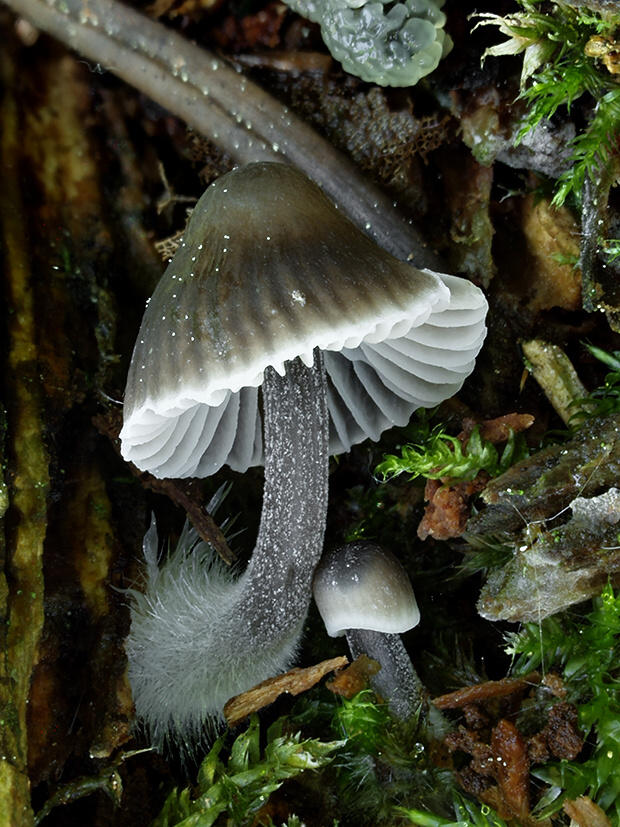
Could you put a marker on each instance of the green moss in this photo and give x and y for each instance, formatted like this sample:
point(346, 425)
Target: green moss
point(242, 785)
point(437, 455)
point(586, 652)
point(564, 59)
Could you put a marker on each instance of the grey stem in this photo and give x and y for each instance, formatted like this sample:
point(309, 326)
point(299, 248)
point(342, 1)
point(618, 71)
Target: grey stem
point(397, 681)
point(198, 636)
point(292, 526)
point(220, 103)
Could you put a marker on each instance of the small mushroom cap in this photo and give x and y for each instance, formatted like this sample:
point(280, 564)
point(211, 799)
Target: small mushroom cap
point(269, 270)
point(363, 586)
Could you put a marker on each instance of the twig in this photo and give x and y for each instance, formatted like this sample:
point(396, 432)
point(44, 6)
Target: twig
point(220, 103)
point(555, 374)
point(185, 493)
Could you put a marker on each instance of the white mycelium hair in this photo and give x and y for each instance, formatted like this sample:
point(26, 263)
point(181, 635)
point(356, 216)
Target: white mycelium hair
point(181, 676)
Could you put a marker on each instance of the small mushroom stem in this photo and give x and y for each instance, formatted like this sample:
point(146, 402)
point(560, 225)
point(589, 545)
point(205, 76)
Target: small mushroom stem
point(292, 526)
point(397, 681)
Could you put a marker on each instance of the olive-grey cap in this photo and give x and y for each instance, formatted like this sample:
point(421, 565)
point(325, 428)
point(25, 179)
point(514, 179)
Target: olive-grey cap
point(363, 586)
point(267, 271)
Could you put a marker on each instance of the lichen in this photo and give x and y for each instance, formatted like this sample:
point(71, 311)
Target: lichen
point(396, 47)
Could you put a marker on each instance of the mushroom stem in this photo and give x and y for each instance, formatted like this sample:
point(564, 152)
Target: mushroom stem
point(397, 682)
point(199, 637)
point(220, 103)
point(292, 526)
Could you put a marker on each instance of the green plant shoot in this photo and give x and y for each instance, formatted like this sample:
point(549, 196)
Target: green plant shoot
point(604, 400)
point(440, 455)
point(468, 814)
point(242, 786)
point(562, 52)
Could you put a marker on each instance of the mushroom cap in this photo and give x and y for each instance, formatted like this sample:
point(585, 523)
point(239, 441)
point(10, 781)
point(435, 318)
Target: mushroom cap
point(267, 271)
point(363, 586)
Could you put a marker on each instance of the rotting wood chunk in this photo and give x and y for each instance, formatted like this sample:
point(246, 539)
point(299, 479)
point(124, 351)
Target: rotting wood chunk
point(449, 503)
point(500, 754)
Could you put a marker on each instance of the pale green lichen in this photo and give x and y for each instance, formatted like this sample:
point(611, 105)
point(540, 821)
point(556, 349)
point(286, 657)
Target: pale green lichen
point(392, 44)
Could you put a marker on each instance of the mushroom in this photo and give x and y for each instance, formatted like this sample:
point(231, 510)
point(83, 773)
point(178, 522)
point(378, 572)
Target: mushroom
point(273, 295)
point(362, 591)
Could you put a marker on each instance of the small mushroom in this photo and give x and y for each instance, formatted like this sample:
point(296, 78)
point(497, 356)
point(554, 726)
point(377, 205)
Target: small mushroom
point(278, 334)
point(362, 591)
